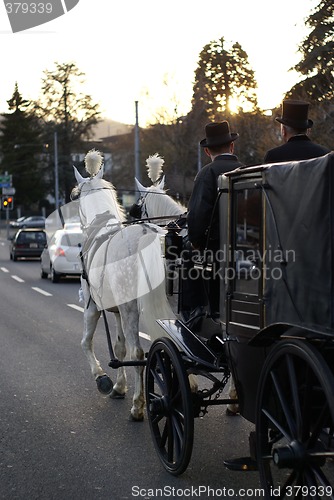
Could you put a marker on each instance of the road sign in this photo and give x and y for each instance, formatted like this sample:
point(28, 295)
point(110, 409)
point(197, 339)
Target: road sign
point(8, 190)
point(5, 181)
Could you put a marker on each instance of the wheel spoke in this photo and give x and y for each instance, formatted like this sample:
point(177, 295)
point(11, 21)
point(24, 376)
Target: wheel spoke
point(295, 395)
point(171, 439)
point(159, 379)
point(285, 406)
point(164, 435)
point(276, 423)
point(316, 431)
point(289, 481)
point(178, 435)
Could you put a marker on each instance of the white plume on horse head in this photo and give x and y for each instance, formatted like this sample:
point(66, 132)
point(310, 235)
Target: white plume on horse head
point(93, 162)
point(154, 165)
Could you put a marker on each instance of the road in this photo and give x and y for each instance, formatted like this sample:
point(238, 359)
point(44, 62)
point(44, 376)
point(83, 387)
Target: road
point(60, 439)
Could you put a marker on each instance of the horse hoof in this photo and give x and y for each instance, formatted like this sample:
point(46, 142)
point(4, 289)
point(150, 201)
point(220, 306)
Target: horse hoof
point(116, 395)
point(104, 384)
point(136, 419)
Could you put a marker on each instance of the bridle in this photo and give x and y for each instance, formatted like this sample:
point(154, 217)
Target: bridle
point(139, 209)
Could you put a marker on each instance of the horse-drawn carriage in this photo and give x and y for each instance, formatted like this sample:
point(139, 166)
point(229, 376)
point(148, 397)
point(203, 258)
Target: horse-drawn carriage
point(275, 333)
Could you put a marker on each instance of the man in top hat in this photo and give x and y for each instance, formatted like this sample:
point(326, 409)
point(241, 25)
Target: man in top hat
point(219, 147)
point(203, 222)
point(294, 128)
point(203, 215)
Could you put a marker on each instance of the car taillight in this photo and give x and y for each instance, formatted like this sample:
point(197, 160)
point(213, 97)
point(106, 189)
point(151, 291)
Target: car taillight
point(59, 252)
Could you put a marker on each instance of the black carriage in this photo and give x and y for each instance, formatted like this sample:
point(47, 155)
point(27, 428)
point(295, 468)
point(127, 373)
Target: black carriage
point(275, 334)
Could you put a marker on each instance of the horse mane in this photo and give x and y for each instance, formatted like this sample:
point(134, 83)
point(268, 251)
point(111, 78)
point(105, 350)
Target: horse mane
point(160, 203)
point(93, 184)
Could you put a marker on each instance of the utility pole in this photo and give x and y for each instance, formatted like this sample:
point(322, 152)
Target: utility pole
point(56, 171)
point(137, 151)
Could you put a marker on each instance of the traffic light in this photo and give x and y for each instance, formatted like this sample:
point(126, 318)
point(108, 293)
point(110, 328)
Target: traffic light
point(7, 202)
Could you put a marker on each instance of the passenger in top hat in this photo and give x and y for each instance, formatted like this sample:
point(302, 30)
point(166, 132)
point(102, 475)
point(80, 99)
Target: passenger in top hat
point(295, 125)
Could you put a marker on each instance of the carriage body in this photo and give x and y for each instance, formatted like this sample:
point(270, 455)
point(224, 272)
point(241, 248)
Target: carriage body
point(276, 330)
point(279, 219)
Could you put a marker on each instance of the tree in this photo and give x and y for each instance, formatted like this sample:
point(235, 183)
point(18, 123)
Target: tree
point(69, 112)
point(316, 65)
point(317, 55)
point(223, 80)
point(23, 152)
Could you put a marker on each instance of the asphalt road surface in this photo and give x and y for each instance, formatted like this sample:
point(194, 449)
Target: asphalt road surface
point(60, 439)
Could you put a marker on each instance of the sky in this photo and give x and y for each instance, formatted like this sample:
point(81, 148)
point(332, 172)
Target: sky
point(147, 50)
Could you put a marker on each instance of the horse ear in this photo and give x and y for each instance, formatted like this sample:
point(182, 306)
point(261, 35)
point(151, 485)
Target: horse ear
point(161, 183)
point(140, 187)
point(100, 173)
point(78, 176)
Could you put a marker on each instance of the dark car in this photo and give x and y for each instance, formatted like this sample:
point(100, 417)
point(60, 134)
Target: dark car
point(32, 221)
point(27, 243)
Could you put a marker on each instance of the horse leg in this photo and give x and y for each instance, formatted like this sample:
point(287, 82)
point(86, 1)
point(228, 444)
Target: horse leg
point(130, 322)
point(120, 386)
point(91, 317)
point(232, 408)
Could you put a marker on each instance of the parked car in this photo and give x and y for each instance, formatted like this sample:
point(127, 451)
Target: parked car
point(62, 256)
point(32, 221)
point(27, 243)
point(16, 224)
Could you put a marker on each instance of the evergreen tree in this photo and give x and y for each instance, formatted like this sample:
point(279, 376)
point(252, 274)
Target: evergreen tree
point(68, 112)
point(223, 80)
point(316, 65)
point(23, 153)
point(317, 56)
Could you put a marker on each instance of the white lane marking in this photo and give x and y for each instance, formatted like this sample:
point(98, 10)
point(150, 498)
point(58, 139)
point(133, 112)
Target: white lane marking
point(144, 336)
point(77, 308)
point(4, 269)
point(16, 278)
point(81, 309)
point(43, 292)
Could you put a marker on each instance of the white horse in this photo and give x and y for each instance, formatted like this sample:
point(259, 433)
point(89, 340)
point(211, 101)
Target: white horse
point(155, 202)
point(125, 275)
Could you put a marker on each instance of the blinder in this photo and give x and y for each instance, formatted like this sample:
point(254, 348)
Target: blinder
point(135, 210)
point(139, 209)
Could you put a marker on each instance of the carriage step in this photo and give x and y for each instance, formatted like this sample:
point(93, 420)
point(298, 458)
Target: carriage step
point(191, 344)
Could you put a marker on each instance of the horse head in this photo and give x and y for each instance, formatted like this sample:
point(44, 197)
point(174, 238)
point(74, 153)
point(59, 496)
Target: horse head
point(95, 195)
point(154, 200)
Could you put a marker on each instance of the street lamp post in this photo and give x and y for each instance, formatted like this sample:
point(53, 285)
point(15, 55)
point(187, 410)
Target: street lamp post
point(137, 154)
point(56, 172)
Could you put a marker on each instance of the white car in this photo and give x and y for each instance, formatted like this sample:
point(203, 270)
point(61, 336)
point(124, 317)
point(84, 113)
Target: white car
point(62, 256)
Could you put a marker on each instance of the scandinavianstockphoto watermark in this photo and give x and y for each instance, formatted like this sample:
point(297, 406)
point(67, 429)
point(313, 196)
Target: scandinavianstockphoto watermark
point(241, 263)
point(205, 491)
point(29, 14)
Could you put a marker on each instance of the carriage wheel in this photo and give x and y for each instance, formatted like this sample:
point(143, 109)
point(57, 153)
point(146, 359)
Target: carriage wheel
point(295, 423)
point(169, 406)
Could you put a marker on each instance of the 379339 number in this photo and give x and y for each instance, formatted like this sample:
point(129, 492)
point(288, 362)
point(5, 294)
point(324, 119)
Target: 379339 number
point(308, 491)
point(28, 8)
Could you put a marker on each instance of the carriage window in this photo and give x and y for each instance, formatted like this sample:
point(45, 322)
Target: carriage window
point(247, 255)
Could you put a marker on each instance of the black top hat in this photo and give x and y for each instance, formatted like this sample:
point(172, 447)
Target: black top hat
point(294, 114)
point(218, 134)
